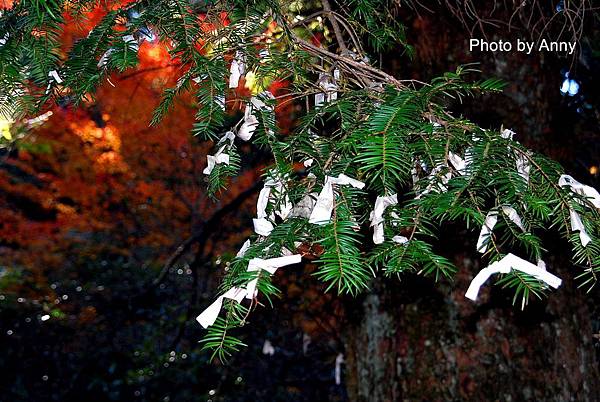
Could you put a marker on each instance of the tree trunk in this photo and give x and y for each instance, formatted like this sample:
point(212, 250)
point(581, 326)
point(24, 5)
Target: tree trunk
point(414, 340)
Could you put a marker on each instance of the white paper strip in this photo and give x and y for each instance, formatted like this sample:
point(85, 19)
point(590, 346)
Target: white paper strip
point(459, 163)
point(228, 136)
point(262, 226)
point(321, 213)
point(490, 221)
point(277, 188)
point(237, 69)
point(415, 174)
point(54, 75)
point(220, 101)
point(263, 200)
point(244, 248)
point(319, 99)
point(507, 134)
point(213, 160)
point(381, 203)
point(250, 123)
point(585, 191)
point(513, 216)
point(305, 206)
point(248, 126)
point(329, 86)
point(486, 231)
point(131, 42)
point(270, 265)
point(209, 316)
point(4, 39)
point(285, 208)
point(268, 348)
point(577, 226)
point(400, 239)
point(510, 261)
point(338, 368)
point(434, 183)
point(259, 101)
point(104, 58)
point(523, 166)
point(344, 180)
point(220, 156)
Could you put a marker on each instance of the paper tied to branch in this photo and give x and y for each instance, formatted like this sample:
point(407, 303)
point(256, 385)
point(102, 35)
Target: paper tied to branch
point(220, 156)
point(486, 230)
point(592, 196)
point(104, 58)
point(243, 249)
point(262, 226)
point(209, 316)
point(400, 239)
point(285, 206)
point(339, 360)
point(588, 192)
point(459, 163)
point(4, 39)
point(577, 226)
point(250, 123)
point(321, 213)
point(54, 75)
point(521, 157)
point(376, 217)
point(248, 126)
point(513, 216)
point(262, 101)
point(507, 134)
point(504, 266)
point(305, 206)
point(131, 43)
point(523, 166)
point(270, 265)
point(329, 86)
point(237, 69)
point(274, 189)
point(490, 221)
point(437, 181)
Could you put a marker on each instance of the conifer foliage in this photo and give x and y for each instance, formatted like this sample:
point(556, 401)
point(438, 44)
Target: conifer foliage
point(373, 169)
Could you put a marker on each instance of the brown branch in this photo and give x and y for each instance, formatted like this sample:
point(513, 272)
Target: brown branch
point(360, 67)
point(207, 229)
point(336, 28)
point(202, 235)
point(173, 258)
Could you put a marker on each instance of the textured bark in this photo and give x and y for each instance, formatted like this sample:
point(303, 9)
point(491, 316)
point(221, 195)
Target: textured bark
point(412, 341)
